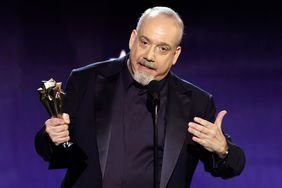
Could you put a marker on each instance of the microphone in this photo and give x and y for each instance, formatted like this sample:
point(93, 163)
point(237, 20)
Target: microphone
point(153, 101)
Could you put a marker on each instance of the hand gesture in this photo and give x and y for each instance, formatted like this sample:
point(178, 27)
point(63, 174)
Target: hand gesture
point(209, 135)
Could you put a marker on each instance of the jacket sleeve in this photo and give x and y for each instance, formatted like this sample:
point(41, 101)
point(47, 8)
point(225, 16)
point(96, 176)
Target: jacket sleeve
point(233, 164)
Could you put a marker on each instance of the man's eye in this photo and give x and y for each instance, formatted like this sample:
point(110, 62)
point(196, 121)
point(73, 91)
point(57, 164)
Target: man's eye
point(163, 49)
point(144, 42)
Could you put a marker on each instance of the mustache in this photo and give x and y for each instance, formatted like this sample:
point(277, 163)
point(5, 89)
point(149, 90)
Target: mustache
point(147, 64)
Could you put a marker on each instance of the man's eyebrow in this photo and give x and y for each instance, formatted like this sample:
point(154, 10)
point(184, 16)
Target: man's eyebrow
point(144, 37)
point(160, 44)
point(164, 44)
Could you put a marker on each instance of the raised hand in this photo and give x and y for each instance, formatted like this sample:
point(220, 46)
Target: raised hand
point(209, 134)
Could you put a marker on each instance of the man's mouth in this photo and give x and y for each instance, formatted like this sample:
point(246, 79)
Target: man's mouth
point(146, 64)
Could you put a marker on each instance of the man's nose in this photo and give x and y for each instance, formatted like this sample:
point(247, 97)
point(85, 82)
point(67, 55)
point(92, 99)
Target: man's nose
point(150, 54)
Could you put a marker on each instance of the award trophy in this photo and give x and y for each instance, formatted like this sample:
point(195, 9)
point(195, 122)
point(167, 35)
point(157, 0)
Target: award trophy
point(52, 97)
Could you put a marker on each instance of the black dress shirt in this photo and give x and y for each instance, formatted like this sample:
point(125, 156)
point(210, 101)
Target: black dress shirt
point(130, 160)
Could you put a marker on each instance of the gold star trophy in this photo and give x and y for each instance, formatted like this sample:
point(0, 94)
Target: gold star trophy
point(52, 97)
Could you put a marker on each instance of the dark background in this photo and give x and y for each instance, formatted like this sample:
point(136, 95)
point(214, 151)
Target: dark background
point(231, 49)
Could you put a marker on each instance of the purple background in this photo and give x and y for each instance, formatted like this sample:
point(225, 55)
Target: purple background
point(233, 50)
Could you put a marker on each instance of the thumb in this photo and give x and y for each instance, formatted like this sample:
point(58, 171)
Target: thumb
point(66, 118)
point(219, 118)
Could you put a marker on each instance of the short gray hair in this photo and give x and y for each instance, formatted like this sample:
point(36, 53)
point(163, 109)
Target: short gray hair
point(163, 11)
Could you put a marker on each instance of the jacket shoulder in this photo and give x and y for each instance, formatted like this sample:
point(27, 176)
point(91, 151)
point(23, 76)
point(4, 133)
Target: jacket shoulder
point(188, 86)
point(92, 68)
point(103, 68)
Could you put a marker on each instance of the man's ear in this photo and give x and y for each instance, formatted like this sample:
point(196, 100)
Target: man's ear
point(132, 38)
point(176, 54)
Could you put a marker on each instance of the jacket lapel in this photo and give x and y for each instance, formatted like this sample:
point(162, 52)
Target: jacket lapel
point(178, 110)
point(107, 83)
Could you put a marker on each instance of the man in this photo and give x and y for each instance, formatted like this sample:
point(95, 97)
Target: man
point(107, 119)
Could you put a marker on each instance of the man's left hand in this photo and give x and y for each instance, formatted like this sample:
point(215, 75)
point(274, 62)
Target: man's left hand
point(209, 135)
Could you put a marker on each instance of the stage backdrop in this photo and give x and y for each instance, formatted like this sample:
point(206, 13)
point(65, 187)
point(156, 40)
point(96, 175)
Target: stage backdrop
point(232, 50)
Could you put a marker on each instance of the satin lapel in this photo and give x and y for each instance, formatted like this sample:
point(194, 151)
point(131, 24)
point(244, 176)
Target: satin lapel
point(178, 110)
point(105, 96)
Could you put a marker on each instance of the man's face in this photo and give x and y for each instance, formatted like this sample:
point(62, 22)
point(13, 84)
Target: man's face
point(153, 49)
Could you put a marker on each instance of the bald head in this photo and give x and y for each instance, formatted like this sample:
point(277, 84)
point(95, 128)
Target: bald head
point(162, 12)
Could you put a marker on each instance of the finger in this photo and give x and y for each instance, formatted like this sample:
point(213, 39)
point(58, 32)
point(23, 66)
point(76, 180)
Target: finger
point(66, 118)
point(202, 121)
point(197, 133)
point(58, 141)
point(59, 134)
point(199, 127)
point(202, 142)
point(198, 140)
point(60, 128)
point(219, 118)
point(54, 122)
point(56, 137)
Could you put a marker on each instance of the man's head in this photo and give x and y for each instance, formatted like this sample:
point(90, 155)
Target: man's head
point(155, 44)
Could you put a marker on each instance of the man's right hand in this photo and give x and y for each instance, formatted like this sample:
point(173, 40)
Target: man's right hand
point(57, 129)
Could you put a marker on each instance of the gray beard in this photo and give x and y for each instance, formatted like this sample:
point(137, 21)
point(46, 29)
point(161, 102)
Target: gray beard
point(142, 78)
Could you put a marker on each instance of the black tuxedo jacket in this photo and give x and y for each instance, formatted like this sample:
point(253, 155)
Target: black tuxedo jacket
point(90, 95)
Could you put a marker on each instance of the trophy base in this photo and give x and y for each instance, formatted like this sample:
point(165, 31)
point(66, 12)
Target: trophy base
point(69, 157)
point(67, 144)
